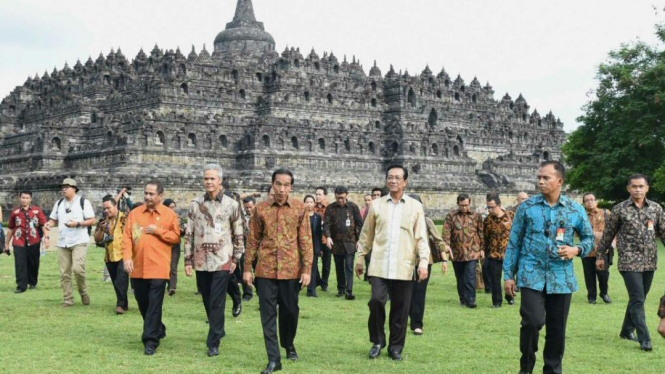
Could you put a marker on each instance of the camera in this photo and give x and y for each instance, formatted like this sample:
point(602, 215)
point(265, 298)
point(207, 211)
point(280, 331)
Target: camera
point(128, 190)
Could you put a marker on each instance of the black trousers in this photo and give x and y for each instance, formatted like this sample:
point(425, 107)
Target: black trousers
point(213, 285)
point(282, 293)
point(26, 266)
point(367, 260)
point(314, 280)
point(494, 269)
point(149, 294)
point(233, 287)
point(326, 256)
point(417, 311)
point(400, 293)
point(246, 290)
point(537, 309)
point(120, 280)
point(638, 285)
point(344, 271)
point(590, 275)
point(487, 274)
point(465, 274)
point(173, 275)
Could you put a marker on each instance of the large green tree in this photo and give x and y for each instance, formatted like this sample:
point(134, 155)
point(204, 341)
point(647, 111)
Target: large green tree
point(623, 128)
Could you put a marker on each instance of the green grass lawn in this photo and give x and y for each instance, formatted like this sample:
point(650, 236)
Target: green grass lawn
point(37, 336)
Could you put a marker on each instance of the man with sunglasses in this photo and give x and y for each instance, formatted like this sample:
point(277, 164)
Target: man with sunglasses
point(541, 245)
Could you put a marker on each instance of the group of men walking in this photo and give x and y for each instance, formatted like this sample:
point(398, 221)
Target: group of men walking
point(274, 246)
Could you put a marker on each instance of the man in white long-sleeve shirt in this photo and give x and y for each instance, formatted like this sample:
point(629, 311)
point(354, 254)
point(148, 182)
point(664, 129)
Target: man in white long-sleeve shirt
point(395, 233)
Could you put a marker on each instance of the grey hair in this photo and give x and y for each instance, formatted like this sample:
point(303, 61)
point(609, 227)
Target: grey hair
point(215, 167)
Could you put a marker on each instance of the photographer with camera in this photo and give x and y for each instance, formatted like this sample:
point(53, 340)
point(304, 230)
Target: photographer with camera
point(109, 232)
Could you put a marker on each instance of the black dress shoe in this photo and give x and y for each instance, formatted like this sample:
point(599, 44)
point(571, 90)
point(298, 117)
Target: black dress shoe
point(606, 299)
point(350, 296)
point(272, 367)
point(237, 309)
point(471, 304)
point(646, 346)
point(149, 351)
point(396, 356)
point(591, 301)
point(496, 306)
point(340, 294)
point(312, 294)
point(213, 351)
point(511, 301)
point(18, 290)
point(247, 298)
point(291, 353)
point(630, 336)
point(32, 287)
point(324, 288)
point(375, 351)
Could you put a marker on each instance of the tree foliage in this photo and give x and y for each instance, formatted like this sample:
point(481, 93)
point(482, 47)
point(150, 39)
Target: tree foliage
point(623, 128)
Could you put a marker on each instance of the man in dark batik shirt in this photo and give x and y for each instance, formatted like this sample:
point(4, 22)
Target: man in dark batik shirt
point(636, 223)
point(342, 224)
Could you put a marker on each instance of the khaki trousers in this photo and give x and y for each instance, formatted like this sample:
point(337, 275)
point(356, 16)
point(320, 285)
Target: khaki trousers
point(72, 260)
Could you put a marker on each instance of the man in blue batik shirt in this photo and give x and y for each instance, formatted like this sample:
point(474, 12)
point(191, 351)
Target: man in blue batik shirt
point(541, 251)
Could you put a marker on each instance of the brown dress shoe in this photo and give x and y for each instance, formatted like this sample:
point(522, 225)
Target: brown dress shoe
point(85, 299)
point(65, 305)
point(119, 310)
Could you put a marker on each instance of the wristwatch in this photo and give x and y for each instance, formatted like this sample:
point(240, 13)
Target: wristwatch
point(78, 224)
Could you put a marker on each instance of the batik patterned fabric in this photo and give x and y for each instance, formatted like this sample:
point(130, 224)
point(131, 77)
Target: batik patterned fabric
point(27, 225)
point(534, 237)
point(661, 307)
point(496, 231)
point(113, 238)
point(280, 237)
point(597, 219)
point(463, 232)
point(635, 230)
point(335, 226)
point(214, 233)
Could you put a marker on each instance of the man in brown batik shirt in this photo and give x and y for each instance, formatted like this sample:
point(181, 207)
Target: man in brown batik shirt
point(280, 237)
point(463, 233)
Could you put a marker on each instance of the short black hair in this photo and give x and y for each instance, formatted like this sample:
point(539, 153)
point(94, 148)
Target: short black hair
point(341, 190)
point(637, 176)
point(157, 184)
point(109, 198)
point(377, 189)
point(283, 171)
point(308, 197)
point(558, 167)
point(461, 197)
point(249, 199)
point(398, 166)
point(493, 196)
point(589, 193)
point(325, 190)
point(25, 192)
point(416, 198)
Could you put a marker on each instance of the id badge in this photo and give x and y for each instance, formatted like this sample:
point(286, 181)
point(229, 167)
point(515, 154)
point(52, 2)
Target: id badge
point(348, 222)
point(560, 233)
point(32, 225)
point(650, 225)
point(218, 228)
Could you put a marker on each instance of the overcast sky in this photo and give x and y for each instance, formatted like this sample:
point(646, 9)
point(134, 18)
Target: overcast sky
point(546, 50)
